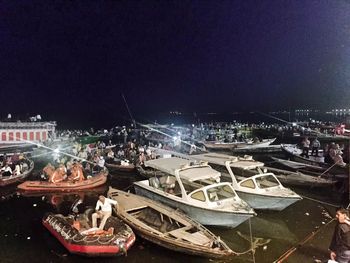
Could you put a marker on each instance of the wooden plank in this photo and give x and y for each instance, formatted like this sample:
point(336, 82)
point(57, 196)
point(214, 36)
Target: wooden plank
point(196, 238)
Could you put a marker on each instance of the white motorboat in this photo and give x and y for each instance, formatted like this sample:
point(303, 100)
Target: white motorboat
point(195, 189)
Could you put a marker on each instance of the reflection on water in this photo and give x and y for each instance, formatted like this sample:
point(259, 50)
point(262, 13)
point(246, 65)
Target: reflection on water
point(23, 237)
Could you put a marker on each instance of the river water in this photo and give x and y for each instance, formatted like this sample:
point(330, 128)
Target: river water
point(22, 236)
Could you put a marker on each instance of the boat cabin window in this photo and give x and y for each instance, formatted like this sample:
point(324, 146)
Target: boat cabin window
point(248, 183)
point(198, 196)
point(266, 181)
point(220, 193)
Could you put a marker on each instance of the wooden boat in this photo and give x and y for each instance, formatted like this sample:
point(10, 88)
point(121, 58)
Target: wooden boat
point(258, 150)
point(65, 186)
point(116, 241)
point(120, 167)
point(216, 145)
point(167, 227)
point(294, 152)
point(7, 180)
point(186, 187)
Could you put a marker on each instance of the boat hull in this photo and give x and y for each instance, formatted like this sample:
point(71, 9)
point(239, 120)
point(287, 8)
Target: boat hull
point(44, 186)
point(258, 201)
point(203, 216)
point(153, 234)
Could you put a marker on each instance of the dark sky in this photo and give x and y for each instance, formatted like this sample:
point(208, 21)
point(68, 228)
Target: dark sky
point(71, 60)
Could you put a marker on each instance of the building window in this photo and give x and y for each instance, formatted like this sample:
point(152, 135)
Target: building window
point(18, 136)
point(24, 136)
point(3, 136)
point(37, 137)
point(10, 136)
point(31, 136)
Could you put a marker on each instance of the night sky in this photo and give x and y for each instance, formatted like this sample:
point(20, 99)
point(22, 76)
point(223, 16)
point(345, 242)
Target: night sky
point(71, 60)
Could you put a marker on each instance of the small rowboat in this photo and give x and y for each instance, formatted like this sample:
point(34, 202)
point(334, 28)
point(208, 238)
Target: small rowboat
point(65, 186)
point(116, 241)
point(167, 227)
point(7, 180)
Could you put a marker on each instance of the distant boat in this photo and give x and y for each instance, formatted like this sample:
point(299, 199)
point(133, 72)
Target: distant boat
point(295, 153)
point(114, 242)
point(216, 145)
point(65, 186)
point(194, 189)
point(167, 227)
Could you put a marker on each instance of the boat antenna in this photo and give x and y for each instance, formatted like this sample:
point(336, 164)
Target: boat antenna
point(127, 107)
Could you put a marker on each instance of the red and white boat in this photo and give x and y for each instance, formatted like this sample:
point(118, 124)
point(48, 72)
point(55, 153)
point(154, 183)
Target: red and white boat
point(69, 232)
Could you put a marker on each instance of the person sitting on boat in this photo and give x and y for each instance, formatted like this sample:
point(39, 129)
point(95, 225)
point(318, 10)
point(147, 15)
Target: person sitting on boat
point(120, 153)
point(6, 170)
point(77, 174)
point(110, 154)
point(105, 204)
point(315, 146)
point(17, 170)
point(15, 158)
point(306, 145)
point(59, 175)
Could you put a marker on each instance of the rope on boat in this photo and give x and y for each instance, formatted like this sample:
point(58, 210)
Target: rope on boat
point(318, 201)
point(251, 249)
point(290, 251)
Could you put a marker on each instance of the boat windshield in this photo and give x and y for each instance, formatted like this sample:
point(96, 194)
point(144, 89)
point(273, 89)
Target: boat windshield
point(266, 181)
point(220, 192)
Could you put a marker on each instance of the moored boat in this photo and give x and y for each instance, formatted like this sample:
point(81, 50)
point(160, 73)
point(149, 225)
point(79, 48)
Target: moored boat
point(76, 237)
point(167, 227)
point(65, 186)
point(260, 191)
point(247, 166)
point(185, 186)
point(217, 145)
point(122, 166)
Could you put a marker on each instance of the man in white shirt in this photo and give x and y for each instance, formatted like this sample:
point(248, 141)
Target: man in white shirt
point(106, 211)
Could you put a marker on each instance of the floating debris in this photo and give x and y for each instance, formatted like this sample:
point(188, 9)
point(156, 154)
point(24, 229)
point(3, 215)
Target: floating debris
point(307, 214)
point(34, 205)
point(28, 238)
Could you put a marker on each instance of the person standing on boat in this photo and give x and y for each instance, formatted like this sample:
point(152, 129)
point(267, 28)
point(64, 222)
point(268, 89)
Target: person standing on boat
point(315, 146)
point(105, 204)
point(306, 145)
point(340, 244)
